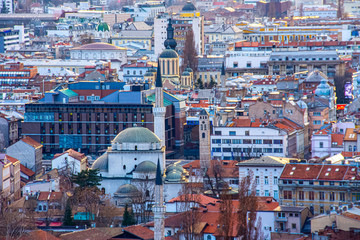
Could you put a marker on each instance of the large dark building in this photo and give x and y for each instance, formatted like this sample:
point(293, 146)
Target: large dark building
point(61, 120)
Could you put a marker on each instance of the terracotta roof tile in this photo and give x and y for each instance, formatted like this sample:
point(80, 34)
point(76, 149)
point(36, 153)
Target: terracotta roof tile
point(199, 198)
point(51, 196)
point(72, 153)
point(140, 231)
point(337, 138)
point(350, 135)
point(28, 172)
point(31, 142)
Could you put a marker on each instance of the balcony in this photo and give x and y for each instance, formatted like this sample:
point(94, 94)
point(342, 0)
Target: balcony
point(281, 219)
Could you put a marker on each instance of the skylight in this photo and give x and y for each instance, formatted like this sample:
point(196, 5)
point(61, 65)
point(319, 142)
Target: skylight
point(292, 173)
point(293, 168)
point(336, 170)
point(329, 169)
point(327, 174)
point(308, 168)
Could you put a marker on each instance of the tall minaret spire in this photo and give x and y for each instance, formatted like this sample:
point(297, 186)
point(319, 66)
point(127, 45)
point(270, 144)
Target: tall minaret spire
point(159, 208)
point(223, 86)
point(159, 111)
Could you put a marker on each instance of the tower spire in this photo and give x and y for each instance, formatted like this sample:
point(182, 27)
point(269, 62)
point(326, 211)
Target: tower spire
point(159, 208)
point(170, 41)
point(158, 81)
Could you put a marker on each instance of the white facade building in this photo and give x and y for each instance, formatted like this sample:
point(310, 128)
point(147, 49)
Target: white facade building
point(244, 142)
point(266, 171)
point(247, 59)
point(74, 161)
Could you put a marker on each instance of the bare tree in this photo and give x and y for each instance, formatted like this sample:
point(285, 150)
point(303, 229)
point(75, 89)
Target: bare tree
point(189, 205)
point(108, 213)
point(142, 203)
point(190, 53)
point(227, 219)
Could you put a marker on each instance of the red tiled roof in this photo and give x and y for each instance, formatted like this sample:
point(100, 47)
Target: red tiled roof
point(349, 154)
point(140, 64)
point(140, 231)
point(11, 159)
point(31, 142)
point(350, 135)
point(194, 165)
point(28, 172)
point(198, 198)
point(38, 235)
point(319, 172)
point(264, 82)
point(51, 196)
point(71, 153)
point(337, 138)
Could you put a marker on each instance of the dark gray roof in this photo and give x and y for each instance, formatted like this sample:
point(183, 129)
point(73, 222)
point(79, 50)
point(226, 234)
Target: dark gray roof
point(169, 53)
point(289, 209)
point(265, 161)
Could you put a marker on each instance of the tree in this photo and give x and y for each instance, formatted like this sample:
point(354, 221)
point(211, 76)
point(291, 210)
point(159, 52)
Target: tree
point(248, 206)
point(199, 84)
point(212, 83)
point(128, 217)
point(68, 221)
point(87, 178)
point(4, 8)
point(142, 202)
point(189, 199)
point(227, 218)
point(190, 54)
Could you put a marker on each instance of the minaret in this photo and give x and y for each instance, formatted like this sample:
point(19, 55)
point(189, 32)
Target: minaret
point(159, 111)
point(223, 86)
point(159, 208)
point(204, 139)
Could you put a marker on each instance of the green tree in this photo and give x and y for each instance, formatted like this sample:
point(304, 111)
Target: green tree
point(128, 217)
point(190, 54)
point(87, 178)
point(212, 83)
point(68, 221)
point(199, 84)
point(4, 9)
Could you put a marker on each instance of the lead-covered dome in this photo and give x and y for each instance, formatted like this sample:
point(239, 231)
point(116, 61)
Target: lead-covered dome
point(189, 7)
point(127, 189)
point(323, 89)
point(101, 163)
point(169, 53)
point(146, 167)
point(136, 135)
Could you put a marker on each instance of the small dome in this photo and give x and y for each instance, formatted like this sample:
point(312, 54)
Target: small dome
point(136, 135)
point(185, 73)
point(146, 167)
point(174, 167)
point(323, 89)
point(117, 26)
point(189, 7)
point(103, 27)
point(101, 163)
point(127, 189)
point(169, 53)
point(188, 69)
point(173, 176)
point(152, 69)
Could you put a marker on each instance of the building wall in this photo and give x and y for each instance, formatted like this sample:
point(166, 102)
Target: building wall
point(25, 153)
point(64, 161)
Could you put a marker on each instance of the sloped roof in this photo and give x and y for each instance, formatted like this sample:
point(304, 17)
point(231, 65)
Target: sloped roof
point(337, 138)
point(31, 142)
point(92, 234)
point(140, 231)
point(72, 153)
point(350, 135)
point(69, 93)
point(98, 46)
point(28, 172)
point(198, 198)
point(266, 161)
point(51, 196)
point(38, 235)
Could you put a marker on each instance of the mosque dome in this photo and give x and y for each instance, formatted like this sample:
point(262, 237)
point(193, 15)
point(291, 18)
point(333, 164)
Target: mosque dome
point(148, 74)
point(189, 7)
point(169, 53)
point(174, 167)
point(323, 89)
point(152, 69)
point(136, 135)
point(173, 176)
point(185, 73)
point(103, 27)
point(127, 189)
point(188, 69)
point(146, 167)
point(101, 163)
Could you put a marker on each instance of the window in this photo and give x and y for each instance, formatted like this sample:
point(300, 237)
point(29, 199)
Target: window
point(321, 183)
point(236, 141)
point(317, 122)
point(342, 196)
point(247, 133)
point(293, 226)
point(321, 209)
point(267, 150)
point(287, 194)
point(226, 141)
point(321, 195)
point(276, 180)
point(311, 182)
point(44, 207)
point(257, 141)
point(317, 114)
point(321, 145)
point(218, 133)
point(226, 149)
point(332, 196)
point(301, 195)
point(266, 180)
point(232, 133)
point(257, 180)
point(82, 98)
point(276, 141)
point(267, 141)
point(247, 141)
point(216, 149)
point(248, 64)
point(40, 208)
point(216, 141)
point(311, 196)
point(257, 192)
point(267, 193)
point(278, 150)
point(235, 64)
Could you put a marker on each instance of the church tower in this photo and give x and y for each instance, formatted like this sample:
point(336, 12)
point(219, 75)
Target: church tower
point(159, 208)
point(204, 139)
point(223, 87)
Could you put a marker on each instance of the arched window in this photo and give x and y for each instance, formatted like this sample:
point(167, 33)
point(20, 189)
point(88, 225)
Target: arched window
point(203, 135)
point(354, 148)
point(209, 237)
point(124, 167)
point(350, 148)
point(147, 193)
point(40, 208)
point(44, 207)
point(201, 127)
